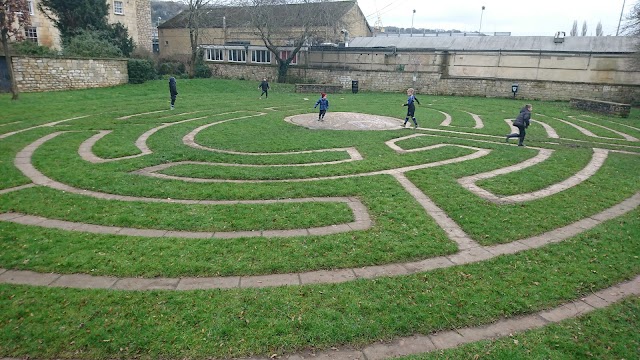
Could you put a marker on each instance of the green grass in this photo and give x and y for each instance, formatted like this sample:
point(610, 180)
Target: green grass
point(611, 333)
point(41, 322)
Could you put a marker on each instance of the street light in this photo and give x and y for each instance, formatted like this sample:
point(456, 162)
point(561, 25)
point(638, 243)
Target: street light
point(412, 16)
point(619, 21)
point(481, 13)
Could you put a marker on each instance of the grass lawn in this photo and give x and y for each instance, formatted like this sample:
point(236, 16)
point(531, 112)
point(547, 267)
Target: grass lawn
point(242, 158)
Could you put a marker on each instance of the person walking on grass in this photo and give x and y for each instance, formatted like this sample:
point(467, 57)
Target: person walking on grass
point(264, 85)
point(521, 122)
point(411, 108)
point(173, 91)
point(324, 105)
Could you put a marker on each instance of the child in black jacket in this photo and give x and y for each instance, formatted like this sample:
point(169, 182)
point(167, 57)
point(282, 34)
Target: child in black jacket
point(521, 122)
point(173, 91)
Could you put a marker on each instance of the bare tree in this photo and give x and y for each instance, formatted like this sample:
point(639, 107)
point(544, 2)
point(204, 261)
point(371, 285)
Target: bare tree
point(14, 17)
point(195, 19)
point(599, 29)
point(194, 15)
point(584, 28)
point(292, 26)
point(632, 28)
point(632, 21)
point(574, 28)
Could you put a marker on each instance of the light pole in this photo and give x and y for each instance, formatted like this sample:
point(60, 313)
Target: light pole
point(481, 13)
point(412, 16)
point(619, 21)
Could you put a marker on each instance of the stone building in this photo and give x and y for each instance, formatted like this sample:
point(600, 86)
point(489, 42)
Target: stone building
point(135, 15)
point(228, 29)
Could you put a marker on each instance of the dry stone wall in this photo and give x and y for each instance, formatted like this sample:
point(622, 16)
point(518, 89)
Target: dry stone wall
point(47, 74)
point(604, 107)
point(434, 83)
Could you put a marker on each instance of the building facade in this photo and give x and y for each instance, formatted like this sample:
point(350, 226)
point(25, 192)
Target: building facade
point(228, 30)
point(135, 15)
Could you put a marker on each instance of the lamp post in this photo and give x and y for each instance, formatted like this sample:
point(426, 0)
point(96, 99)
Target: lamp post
point(481, 13)
point(412, 16)
point(619, 21)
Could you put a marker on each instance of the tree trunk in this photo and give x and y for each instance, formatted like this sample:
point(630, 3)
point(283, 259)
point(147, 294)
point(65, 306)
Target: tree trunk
point(193, 39)
point(283, 68)
point(7, 54)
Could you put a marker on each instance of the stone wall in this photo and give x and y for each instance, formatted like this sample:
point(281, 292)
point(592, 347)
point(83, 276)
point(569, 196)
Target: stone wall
point(47, 74)
point(434, 83)
point(318, 88)
point(603, 107)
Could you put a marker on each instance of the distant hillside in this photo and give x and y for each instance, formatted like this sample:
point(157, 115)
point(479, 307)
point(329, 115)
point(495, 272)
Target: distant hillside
point(165, 10)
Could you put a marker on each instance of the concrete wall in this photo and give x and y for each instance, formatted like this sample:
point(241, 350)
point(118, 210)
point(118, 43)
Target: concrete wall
point(567, 67)
point(47, 74)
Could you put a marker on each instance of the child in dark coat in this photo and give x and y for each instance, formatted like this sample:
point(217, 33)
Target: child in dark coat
point(324, 105)
point(173, 91)
point(521, 122)
point(411, 108)
point(264, 85)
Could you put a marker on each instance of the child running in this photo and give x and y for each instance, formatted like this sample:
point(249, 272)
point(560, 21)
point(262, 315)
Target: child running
point(324, 105)
point(411, 108)
point(264, 85)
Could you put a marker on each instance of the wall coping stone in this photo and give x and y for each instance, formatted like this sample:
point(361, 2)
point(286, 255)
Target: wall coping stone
point(601, 106)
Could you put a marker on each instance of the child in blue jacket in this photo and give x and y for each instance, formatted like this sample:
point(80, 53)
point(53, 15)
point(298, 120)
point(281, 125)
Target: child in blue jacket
point(324, 105)
point(411, 108)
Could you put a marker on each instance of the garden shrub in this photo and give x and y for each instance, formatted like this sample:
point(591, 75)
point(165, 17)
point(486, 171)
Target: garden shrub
point(91, 44)
point(140, 70)
point(171, 67)
point(202, 71)
point(33, 49)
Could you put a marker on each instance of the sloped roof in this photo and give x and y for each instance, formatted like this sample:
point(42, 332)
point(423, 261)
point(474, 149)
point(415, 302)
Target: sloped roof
point(285, 15)
point(598, 44)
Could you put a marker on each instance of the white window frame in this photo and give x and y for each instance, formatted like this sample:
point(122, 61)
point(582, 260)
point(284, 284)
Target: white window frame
point(118, 10)
point(237, 55)
point(285, 54)
point(31, 33)
point(215, 54)
point(32, 10)
point(261, 56)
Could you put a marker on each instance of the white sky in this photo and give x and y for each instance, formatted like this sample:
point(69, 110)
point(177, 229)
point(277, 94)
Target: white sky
point(521, 18)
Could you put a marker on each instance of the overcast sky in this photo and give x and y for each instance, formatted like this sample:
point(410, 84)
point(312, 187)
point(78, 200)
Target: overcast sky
point(521, 18)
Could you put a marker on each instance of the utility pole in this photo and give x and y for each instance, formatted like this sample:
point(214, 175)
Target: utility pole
point(619, 21)
point(412, 16)
point(481, 13)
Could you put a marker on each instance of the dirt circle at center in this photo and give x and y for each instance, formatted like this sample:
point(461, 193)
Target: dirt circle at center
point(346, 121)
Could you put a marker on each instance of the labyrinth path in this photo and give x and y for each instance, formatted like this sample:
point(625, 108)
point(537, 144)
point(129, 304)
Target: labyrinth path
point(474, 146)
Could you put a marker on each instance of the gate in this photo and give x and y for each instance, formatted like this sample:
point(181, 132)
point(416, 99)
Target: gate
point(5, 83)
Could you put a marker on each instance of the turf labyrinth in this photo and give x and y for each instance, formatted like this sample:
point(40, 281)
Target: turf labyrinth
point(254, 174)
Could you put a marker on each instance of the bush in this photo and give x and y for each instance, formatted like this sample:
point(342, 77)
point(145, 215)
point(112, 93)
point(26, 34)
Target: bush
point(140, 70)
point(31, 48)
point(172, 67)
point(91, 44)
point(118, 35)
point(202, 71)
